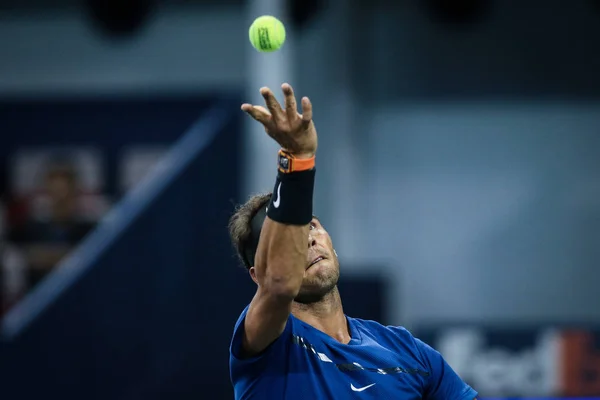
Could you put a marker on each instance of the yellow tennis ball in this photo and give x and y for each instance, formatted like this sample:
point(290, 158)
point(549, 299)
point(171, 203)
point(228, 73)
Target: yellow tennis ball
point(267, 34)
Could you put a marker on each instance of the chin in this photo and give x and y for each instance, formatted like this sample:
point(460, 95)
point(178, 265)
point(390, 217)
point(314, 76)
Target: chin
point(323, 266)
point(316, 287)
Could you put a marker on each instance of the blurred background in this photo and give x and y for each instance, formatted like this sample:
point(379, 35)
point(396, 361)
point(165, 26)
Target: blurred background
point(459, 176)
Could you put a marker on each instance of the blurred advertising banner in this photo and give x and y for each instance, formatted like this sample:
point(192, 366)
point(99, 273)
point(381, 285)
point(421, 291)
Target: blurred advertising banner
point(145, 306)
point(545, 362)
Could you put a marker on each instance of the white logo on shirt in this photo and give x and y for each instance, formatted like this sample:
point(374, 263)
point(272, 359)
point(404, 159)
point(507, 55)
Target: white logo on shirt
point(354, 389)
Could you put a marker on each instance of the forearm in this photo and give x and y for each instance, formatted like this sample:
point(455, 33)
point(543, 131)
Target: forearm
point(281, 257)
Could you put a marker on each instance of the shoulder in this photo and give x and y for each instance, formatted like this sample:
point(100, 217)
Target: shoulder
point(397, 334)
point(423, 351)
point(248, 374)
point(399, 339)
point(439, 379)
point(235, 348)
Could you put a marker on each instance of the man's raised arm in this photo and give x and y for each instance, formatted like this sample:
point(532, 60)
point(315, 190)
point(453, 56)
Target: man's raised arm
point(281, 256)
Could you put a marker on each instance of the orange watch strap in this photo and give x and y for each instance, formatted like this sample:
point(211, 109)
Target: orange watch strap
point(288, 163)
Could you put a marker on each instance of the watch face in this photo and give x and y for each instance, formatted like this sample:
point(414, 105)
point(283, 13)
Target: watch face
point(284, 163)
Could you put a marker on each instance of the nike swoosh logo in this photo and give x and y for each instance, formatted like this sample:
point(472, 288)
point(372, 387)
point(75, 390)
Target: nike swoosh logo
point(277, 201)
point(360, 389)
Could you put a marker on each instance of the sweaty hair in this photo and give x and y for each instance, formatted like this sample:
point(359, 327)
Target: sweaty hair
point(240, 222)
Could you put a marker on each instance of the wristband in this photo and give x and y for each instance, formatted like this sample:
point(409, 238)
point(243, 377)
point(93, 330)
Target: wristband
point(288, 163)
point(295, 183)
point(248, 252)
point(292, 199)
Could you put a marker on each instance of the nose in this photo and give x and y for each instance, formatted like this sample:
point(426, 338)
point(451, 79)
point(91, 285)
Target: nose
point(311, 241)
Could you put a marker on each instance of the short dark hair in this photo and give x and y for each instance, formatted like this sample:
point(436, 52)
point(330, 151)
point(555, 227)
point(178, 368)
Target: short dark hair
point(240, 224)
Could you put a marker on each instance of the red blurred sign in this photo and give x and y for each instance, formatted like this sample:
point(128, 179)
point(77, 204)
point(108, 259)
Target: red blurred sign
point(580, 361)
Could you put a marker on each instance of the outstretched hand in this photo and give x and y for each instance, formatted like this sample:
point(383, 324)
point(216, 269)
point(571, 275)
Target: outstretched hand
point(293, 131)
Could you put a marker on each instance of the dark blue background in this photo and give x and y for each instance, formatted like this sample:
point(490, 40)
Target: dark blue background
point(152, 319)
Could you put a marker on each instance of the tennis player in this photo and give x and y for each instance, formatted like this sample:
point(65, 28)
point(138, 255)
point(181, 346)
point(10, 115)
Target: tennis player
point(293, 341)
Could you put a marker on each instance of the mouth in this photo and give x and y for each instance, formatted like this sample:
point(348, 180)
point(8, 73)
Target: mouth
point(316, 260)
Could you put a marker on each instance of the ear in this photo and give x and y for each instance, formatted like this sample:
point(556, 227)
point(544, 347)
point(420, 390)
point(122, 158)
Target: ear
point(252, 273)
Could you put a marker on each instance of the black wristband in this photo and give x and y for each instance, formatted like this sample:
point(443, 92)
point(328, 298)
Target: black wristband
point(292, 199)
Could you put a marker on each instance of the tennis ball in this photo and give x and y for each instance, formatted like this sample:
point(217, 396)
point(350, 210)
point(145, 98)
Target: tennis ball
point(267, 34)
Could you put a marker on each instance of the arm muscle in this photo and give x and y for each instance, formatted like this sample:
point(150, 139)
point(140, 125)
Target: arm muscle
point(280, 264)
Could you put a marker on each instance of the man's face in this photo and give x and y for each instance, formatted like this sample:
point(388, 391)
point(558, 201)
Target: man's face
point(59, 187)
point(322, 266)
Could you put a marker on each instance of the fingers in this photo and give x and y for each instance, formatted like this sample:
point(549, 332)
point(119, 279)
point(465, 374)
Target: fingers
point(258, 113)
point(275, 113)
point(306, 111)
point(272, 104)
point(291, 108)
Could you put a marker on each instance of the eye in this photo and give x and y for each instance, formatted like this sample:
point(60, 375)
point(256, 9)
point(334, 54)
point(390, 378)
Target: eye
point(312, 226)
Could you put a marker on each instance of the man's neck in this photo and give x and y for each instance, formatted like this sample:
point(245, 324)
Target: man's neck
point(326, 315)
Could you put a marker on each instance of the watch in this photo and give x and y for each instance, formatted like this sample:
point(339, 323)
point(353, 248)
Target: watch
point(287, 163)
